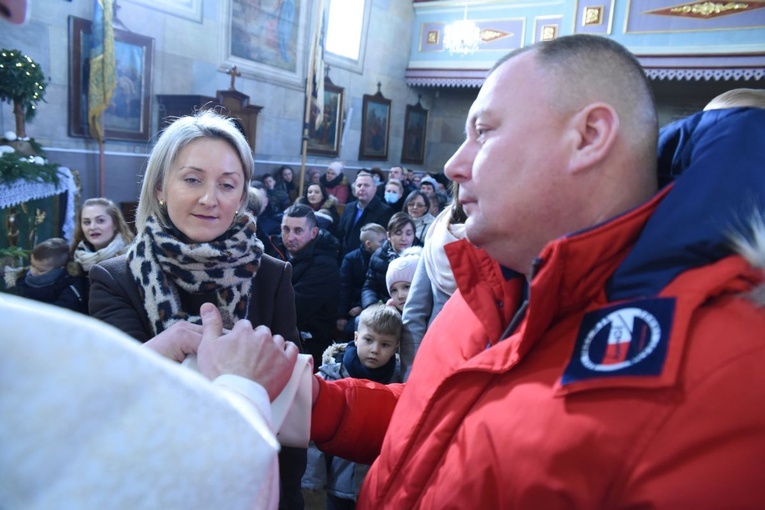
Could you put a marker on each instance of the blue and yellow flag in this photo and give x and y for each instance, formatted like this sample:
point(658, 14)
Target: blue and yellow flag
point(102, 80)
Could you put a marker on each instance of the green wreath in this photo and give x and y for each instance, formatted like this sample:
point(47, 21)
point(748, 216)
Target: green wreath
point(22, 80)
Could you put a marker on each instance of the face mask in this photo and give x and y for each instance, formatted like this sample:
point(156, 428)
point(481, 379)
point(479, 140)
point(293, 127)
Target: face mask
point(391, 197)
point(377, 180)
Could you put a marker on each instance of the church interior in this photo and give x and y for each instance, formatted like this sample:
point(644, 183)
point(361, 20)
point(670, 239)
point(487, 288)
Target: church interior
point(399, 74)
point(369, 83)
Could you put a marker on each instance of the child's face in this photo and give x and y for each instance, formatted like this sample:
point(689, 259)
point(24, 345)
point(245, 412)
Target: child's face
point(374, 349)
point(372, 244)
point(38, 267)
point(398, 293)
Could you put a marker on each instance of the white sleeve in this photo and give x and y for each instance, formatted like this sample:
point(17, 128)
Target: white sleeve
point(92, 419)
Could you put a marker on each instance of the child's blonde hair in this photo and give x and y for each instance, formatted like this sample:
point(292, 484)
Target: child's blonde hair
point(384, 320)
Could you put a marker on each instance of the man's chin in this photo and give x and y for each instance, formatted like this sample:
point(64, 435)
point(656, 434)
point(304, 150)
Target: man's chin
point(472, 235)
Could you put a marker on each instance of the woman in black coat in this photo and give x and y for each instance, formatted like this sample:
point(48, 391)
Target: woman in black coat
point(400, 237)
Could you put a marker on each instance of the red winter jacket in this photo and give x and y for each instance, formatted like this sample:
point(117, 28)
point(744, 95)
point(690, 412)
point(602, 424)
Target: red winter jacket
point(650, 401)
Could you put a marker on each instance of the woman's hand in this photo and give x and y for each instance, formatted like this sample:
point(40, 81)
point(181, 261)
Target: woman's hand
point(177, 341)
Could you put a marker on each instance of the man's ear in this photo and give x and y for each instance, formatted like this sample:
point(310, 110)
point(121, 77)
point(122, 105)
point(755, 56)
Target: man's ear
point(314, 232)
point(595, 129)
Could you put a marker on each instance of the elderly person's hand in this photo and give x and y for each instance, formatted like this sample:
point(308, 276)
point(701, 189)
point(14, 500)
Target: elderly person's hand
point(254, 354)
point(177, 341)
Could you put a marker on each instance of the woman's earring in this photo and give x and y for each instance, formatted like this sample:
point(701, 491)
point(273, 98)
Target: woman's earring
point(162, 203)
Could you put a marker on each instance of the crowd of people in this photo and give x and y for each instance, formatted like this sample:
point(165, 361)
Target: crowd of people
point(208, 231)
point(582, 339)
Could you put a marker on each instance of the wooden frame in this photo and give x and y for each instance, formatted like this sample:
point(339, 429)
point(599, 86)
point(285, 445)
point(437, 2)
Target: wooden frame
point(415, 134)
point(129, 114)
point(266, 40)
point(325, 139)
point(375, 127)
point(188, 9)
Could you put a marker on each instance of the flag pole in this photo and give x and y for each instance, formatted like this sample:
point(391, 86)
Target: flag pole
point(309, 92)
point(102, 80)
point(101, 160)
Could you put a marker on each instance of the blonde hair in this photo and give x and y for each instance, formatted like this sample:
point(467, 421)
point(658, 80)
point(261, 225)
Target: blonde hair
point(204, 124)
point(754, 98)
point(120, 225)
point(382, 319)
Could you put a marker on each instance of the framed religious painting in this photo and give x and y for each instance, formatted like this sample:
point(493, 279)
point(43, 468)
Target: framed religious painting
point(325, 132)
point(375, 126)
point(415, 134)
point(129, 113)
point(266, 39)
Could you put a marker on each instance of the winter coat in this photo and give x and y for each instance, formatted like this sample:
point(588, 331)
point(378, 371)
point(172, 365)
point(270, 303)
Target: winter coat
point(337, 187)
point(340, 477)
point(349, 231)
point(375, 289)
point(353, 274)
point(114, 299)
point(316, 280)
point(67, 291)
point(627, 374)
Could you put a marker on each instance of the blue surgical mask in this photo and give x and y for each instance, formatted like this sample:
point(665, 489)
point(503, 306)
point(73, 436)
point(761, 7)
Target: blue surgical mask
point(391, 197)
point(377, 180)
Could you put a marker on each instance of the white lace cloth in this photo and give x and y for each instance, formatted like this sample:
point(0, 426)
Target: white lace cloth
point(23, 191)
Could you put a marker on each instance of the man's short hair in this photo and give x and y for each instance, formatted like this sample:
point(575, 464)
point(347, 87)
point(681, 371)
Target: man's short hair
point(382, 319)
point(55, 250)
point(584, 68)
point(370, 231)
point(301, 211)
point(364, 173)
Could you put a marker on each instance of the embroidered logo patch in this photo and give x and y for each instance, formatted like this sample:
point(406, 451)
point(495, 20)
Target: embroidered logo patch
point(624, 340)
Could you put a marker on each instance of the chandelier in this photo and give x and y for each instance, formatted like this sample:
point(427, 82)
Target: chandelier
point(462, 36)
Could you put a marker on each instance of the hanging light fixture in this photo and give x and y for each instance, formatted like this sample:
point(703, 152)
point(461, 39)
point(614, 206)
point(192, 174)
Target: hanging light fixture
point(462, 36)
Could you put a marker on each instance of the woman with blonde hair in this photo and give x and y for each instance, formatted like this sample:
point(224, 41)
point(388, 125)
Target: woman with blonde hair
point(197, 244)
point(100, 233)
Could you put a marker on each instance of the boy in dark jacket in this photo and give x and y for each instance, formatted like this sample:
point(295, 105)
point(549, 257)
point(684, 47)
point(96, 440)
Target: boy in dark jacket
point(371, 355)
point(353, 272)
point(47, 279)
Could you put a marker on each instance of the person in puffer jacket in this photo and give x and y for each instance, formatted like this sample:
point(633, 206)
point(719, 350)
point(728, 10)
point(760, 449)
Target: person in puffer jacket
point(604, 347)
point(371, 356)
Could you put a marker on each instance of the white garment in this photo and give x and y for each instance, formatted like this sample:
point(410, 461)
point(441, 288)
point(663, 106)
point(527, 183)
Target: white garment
point(91, 419)
point(441, 233)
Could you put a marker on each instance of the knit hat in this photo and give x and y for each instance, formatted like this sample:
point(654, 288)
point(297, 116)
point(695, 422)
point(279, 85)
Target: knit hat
point(430, 181)
point(401, 269)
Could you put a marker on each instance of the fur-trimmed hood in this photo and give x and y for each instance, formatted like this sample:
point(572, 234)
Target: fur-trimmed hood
point(332, 367)
point(717, 161)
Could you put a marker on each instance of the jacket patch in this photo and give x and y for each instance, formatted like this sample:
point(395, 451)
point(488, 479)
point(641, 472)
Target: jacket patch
point(629, 339)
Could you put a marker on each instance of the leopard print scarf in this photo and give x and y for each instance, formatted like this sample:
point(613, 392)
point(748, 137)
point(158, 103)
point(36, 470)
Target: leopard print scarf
point(161, 264)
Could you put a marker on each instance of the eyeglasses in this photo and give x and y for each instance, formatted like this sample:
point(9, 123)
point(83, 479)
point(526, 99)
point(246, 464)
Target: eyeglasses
point(417, 204)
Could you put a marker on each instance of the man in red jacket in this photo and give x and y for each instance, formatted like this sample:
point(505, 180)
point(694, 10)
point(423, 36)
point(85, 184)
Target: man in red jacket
point(605, 346)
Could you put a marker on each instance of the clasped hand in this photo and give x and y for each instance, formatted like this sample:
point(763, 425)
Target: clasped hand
point(251, 353)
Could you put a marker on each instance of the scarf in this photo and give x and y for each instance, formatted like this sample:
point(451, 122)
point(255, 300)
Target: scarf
point(162, 264)
point(357, 370)
point(421, 225)
point(88, 258)
point(441, 233)
point(45, 279)
point(337, 181)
